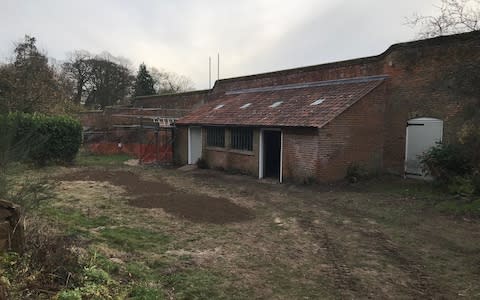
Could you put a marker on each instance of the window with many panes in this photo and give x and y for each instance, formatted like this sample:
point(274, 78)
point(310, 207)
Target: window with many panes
point(241, 138)
point(216, 137)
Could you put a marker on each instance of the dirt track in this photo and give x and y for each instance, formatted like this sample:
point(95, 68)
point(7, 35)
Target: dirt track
point(297, 242)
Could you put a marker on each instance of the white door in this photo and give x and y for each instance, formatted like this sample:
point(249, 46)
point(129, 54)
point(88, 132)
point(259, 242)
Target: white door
point(194, 144)
point(422, 134)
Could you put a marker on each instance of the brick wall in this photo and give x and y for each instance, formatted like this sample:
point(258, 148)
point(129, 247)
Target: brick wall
point(356, 136)
point(92, 119)
point(231, 159)
point(300, 153)
point(337, 70)
point(188, 100)
point(426, 81)
point(324, 154)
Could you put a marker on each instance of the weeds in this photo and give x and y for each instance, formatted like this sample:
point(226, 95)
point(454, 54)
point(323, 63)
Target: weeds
point(31, 192)
point(47, 265)
point(356, 172)
point(145, 293)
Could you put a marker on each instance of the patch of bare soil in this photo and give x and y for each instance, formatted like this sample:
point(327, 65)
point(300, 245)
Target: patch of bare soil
point(156, 194)
point(196, 208)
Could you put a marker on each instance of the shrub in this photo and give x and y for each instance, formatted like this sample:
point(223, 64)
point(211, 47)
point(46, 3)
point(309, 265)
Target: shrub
point(61, 137)
point(70, 295)
point(476, 182)
point(461, 185)
point(96, 275)
point(39, 138)
point(454, 166)
point(447, 161)
point(52, 256)
point(355, 172)
point(469, 137)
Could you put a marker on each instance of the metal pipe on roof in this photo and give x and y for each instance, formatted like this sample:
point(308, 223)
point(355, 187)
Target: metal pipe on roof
point(209, 72)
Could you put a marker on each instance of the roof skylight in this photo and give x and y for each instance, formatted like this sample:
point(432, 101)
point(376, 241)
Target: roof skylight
point(317, 102)
point(276, 104)
point(219, 106)
point(245, 105)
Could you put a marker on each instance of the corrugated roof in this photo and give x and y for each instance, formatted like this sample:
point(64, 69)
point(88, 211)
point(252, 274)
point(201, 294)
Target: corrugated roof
point(284, 105)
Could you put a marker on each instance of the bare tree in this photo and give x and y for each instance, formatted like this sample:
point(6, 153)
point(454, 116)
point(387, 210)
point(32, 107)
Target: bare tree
point(170, 82)
point(79, 70)
point(100, 80)
point(454, 16)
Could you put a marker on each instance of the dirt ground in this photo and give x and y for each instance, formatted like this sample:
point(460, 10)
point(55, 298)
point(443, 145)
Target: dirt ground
point(378, 240)
point(155, 194)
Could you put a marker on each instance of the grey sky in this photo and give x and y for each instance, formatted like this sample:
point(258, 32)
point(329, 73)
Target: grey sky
point(252, 36)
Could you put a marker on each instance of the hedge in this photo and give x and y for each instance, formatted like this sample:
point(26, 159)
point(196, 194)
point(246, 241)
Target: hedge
point(39, 138)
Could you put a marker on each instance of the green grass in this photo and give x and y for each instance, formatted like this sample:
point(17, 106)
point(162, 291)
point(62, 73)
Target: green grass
point(146, 293)
point(428, 195)
point(75, 222)
point(459, 207)
point(104, 263)
point(194, 284)
point(88, 159)
point(418, 189)
point(127, 238)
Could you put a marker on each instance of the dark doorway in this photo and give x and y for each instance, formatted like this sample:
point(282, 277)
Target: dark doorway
point(272, 143)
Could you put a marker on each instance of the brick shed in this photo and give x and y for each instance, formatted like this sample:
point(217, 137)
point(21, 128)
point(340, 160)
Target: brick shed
point(314, 122)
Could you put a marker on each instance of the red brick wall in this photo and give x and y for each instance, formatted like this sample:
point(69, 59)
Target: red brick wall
point(188, 100)
point(324, 154)
point(100, 120)
point(92, 119)
point(300, 153)
point(231, 159)
point(338, 70)
point(424, 83)
point(356, 136)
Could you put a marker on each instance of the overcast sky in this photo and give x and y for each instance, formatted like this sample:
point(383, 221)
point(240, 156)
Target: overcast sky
point(252, 36)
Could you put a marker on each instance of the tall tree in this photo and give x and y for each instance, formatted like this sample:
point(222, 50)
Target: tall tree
point(454, 16)
point(144, 83)
point(79, 69)
point(5, 88)
point(110, 83)
point(30, 84)
point(100, 80)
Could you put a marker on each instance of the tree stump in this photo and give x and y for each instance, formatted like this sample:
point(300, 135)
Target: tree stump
point(12, 227)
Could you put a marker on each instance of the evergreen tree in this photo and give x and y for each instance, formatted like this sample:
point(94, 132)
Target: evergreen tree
point(144, 84)
point(30, 84)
